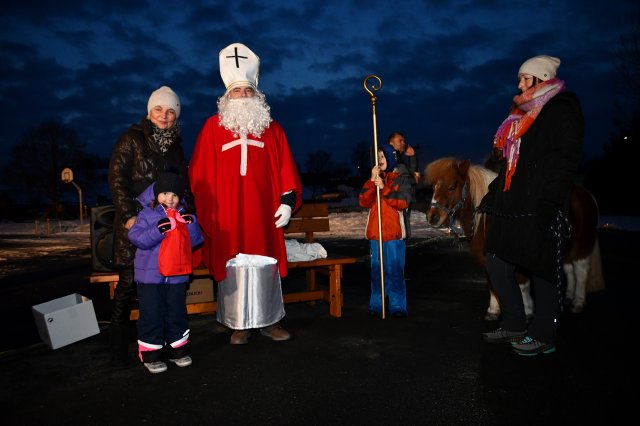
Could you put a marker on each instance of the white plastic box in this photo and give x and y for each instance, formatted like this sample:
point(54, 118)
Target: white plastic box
point(65, 320)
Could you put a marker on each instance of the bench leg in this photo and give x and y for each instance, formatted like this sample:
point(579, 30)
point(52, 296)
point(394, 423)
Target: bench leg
point(311, 282)
point(311, 279)
point(335, 291)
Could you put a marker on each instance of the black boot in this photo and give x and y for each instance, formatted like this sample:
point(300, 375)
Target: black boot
point(120, 328)
point(119, 335)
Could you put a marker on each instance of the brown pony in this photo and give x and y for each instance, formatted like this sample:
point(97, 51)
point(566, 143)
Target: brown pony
point(458, 187)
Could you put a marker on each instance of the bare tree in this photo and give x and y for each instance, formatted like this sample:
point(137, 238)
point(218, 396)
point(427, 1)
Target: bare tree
point(318, 166)
point(628, 61)
point(38, 159)
point(361, 157)
point(617, 165)
point(319, 162)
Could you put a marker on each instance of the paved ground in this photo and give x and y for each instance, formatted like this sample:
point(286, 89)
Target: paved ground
point(430, 368)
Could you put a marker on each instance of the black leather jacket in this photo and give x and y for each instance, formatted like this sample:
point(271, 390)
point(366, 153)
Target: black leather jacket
point(136, 162)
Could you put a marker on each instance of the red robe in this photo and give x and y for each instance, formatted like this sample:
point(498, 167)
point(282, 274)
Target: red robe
point(236, 212)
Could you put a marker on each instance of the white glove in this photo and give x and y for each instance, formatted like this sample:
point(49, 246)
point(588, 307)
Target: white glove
point(284, 212)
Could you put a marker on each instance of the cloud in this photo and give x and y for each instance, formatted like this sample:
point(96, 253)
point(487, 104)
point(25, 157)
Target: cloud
point(448, 70)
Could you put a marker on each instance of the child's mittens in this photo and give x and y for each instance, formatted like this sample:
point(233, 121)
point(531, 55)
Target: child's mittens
point(188, 218)
point(164, 225)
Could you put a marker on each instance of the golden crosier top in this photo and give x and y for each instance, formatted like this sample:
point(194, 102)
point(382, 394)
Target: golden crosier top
point(372, 86)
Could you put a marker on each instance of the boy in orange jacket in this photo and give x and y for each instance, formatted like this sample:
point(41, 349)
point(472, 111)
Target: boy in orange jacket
point(394, 181)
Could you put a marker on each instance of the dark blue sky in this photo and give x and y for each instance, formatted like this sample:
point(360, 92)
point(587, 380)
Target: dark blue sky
point(448, 67)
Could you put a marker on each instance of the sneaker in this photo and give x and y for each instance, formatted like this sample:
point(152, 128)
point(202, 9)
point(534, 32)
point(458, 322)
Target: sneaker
point(276, 332)
point(240, 337)
point(503, 336)
point(185, 361)
point(530, 346)
point(156, 367)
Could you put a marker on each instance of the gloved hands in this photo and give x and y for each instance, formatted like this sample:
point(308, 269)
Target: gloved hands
point(164, 225)
point(545, 214)
point(188, 218)
point(284, 214)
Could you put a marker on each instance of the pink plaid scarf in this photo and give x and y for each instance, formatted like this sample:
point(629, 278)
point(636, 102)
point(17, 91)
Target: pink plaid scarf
point(527, 106)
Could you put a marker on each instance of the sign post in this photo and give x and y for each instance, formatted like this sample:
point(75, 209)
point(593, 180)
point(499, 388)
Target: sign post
point(67, 177)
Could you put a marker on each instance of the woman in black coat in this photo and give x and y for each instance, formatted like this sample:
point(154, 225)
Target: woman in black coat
point(541, 144)
point(143, 152)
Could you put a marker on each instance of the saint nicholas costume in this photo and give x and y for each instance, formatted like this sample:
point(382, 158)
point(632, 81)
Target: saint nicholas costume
point(235, 210)
point(239, 182)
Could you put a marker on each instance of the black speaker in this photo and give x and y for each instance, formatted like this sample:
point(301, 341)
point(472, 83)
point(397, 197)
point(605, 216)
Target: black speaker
point(101, 231)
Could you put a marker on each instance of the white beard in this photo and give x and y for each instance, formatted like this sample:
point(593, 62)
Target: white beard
point(244, 116)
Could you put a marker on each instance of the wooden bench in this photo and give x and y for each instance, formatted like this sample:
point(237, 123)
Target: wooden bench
point(311, 218)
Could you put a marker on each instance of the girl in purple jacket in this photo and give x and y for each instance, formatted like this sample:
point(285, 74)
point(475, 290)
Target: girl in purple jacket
point(164, 236)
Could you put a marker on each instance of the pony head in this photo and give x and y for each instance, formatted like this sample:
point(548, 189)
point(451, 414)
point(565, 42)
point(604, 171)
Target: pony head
point(447, 177)
point(458, 187)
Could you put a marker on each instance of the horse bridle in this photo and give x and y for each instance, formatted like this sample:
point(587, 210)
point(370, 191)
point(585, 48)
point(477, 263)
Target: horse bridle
point(451, 212)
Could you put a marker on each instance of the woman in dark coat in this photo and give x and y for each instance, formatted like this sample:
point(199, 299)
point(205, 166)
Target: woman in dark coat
point(541, 144)
point(143, 152)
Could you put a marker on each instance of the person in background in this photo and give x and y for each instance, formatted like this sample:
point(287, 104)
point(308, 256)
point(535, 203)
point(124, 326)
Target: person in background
point(246, 186)
point(141, 153)
point(406, 155)
point(541, 144)
point(394, 181)
point(164, 235)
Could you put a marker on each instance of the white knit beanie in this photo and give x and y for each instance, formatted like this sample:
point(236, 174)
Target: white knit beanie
point(544, 67)
point(164, 96)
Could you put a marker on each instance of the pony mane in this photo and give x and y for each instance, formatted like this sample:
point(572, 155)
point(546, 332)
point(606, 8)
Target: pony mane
point(479, 180)
point(437, 167)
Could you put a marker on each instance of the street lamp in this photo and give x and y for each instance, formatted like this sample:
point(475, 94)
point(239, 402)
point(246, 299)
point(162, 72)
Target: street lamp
point(67, 177)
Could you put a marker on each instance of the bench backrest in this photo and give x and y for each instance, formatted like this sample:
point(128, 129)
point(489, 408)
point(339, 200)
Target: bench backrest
point(313, 217)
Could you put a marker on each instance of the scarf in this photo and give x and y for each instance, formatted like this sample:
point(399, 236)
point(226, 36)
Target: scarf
point(526, 108)
point(165, 137)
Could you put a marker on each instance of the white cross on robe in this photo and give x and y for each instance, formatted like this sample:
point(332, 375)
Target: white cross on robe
point(243, 142)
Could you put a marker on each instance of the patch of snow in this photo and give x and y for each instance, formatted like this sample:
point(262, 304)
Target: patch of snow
point(351, 225)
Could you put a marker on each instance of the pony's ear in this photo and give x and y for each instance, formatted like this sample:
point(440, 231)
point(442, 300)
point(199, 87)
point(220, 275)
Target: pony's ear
point(463, 167)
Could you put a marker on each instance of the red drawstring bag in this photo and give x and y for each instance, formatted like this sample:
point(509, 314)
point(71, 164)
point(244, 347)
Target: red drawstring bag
point(175, 257)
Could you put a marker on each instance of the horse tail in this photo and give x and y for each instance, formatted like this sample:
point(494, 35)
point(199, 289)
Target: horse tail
point(595, 279)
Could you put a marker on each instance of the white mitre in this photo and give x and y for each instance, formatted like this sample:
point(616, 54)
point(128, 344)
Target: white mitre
point(239, 66)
